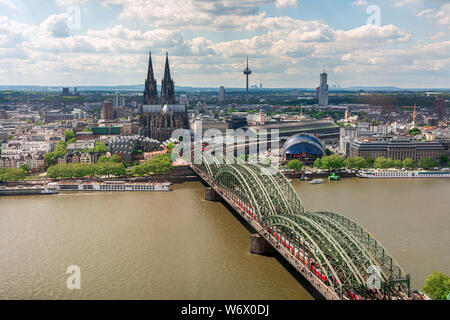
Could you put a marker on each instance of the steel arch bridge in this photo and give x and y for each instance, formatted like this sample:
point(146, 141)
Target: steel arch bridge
point(341, 253)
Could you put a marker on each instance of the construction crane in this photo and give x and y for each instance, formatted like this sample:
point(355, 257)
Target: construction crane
point(414, 113)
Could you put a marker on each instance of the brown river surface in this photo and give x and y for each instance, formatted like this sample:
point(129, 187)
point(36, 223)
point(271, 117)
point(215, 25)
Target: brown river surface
point(175, 245)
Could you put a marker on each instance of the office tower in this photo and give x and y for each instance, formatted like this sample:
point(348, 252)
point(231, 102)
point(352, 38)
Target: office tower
point(108, 112)
point(221, 94)
point(323, 90)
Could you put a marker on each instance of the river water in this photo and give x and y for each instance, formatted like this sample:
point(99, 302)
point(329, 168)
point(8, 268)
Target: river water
point(175, 245)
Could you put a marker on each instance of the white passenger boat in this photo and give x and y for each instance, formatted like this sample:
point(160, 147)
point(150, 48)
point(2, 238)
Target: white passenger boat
point(122, 186)
point(386, 174)
point(317, 181)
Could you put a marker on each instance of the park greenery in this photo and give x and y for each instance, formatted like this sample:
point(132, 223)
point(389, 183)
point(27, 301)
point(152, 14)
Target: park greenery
point(12, 174)
point(335, 162)
point(69, 134)
point(437, 286)
point(25, 167)
point(114, 158)
point(329, 162)
point(161, 164)
point(100, 147)
point(51, 157)
point(78, 170)
point(443, 159)
point(61, 150)
point(414, 131)
point(427, 163)
point(295, 165)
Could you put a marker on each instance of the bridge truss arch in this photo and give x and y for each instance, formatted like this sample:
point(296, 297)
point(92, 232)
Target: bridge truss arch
point(345, 254)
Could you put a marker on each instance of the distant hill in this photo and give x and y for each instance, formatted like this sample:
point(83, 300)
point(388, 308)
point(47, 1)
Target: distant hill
point(140, 88)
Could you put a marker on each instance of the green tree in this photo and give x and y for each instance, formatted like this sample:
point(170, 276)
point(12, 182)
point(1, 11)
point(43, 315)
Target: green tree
point(409, 163)
point(427, 163)
point(60, 151)
point(398, 163)
point(100, 147)
point(414, 131)
point(361, 163)
point(86, 130)
point(317, 163)
point(443, 159)
point(328, 152)
point(437, 286)
point(25, 167)
point(383, 163)
point(161, 164)
point(103, 159)
point(12, 174)
point(332, 162)
point(69, 134)
point(295, 165)
point(116, 158)
point(350, 162)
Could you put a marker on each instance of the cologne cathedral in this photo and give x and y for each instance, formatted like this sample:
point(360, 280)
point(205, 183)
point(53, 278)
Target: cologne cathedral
point(159, 118)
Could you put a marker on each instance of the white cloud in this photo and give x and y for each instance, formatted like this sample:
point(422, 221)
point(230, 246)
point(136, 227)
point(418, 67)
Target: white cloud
point(360, 3)
point(404, 3)
point(443, 15)
point(425, 12)
point(282, 49)
point(439, 35)
point(57, 25)
point(282, 4)
point(7, 5)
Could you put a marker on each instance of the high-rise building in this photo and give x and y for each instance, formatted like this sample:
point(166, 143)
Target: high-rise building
point(221, 96)
point(438, 108)
point(323, 90)
point(184, 99)
point(108, 112)
point(116, 101)
point(167, 86)
point(150, 91)
point(247, 72)
point(347, 112)
point(66, 92)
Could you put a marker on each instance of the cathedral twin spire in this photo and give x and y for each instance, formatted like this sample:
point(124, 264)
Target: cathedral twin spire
point(167, 85)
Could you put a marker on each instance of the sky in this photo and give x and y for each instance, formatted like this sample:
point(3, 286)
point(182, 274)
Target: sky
point(403, 43)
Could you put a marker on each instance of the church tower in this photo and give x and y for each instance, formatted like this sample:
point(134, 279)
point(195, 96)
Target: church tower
point(150, 91)
point(167, 86)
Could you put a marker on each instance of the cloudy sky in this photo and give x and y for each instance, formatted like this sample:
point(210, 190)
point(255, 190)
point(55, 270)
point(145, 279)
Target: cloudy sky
point(404, 43)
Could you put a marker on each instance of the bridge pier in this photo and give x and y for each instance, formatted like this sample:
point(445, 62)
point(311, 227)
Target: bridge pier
point(259, 245)
point(211, 194)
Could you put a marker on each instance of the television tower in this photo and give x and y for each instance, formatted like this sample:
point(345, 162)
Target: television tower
point(247, 72)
